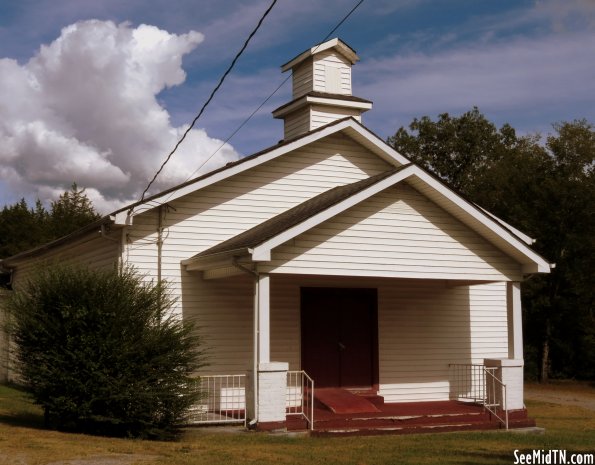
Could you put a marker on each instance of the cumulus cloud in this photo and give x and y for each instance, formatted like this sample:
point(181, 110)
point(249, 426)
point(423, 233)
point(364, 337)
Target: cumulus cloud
point(84, 109)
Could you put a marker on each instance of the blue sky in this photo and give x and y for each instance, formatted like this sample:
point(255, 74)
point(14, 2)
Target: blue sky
point(89, 94)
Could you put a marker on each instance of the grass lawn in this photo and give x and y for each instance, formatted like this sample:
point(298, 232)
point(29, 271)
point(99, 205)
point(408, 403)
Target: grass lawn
point(23, 441)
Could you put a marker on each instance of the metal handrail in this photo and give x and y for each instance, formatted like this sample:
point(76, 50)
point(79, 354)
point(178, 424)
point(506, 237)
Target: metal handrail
point(478, 383)
point(495, 389)
point(300, 396)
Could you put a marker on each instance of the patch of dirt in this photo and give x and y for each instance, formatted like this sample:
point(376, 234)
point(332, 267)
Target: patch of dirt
point(115, 459)
point(563, 393)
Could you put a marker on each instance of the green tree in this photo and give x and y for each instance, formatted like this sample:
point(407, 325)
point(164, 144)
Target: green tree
point(102, 352)
point(547, 191)
point(23, 228)
point(71, 211)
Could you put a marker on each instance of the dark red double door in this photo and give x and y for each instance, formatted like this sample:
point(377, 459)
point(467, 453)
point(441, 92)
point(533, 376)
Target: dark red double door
point(339, 336)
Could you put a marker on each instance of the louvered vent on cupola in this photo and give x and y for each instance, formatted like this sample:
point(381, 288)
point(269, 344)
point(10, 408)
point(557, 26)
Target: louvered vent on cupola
point(321, 89)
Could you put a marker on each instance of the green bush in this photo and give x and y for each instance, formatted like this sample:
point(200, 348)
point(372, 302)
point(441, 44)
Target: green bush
point(102, 353)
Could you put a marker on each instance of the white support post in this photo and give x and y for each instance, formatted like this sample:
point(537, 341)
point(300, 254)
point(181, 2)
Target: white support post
point(266, 387)
point(510, 371)
point(515, 321)
point(264, 318)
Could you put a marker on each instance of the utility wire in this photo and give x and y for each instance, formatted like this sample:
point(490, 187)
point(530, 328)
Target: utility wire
point(209, 99)
point(243, 123)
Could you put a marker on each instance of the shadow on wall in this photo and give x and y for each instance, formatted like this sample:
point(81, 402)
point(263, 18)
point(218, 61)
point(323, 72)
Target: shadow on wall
point(423, 327)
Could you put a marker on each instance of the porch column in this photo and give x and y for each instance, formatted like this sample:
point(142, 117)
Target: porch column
point(515, 321)
point(263, 307)
point(267, 381)
point(510, 370)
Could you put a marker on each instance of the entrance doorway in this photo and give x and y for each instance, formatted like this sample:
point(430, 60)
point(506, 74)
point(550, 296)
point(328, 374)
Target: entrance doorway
point(340, 336)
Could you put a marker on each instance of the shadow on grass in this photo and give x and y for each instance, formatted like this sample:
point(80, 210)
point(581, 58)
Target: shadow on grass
point(16, 409)
point(24, 419)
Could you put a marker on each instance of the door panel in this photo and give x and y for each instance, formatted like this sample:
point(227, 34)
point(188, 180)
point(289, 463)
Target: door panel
point(339, 328)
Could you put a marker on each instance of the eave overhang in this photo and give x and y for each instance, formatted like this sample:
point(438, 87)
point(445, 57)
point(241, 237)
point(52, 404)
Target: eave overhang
point(335, 101)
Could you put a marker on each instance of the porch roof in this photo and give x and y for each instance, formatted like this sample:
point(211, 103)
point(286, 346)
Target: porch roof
point(259, 241)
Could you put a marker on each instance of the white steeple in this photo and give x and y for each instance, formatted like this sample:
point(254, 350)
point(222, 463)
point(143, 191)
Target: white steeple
point(321, 89)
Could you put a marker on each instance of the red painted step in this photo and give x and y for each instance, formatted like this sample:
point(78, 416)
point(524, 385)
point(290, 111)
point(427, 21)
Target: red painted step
point(341, 401)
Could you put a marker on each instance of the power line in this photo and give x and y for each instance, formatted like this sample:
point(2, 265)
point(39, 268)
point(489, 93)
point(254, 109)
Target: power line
point(209, 99)
point(243, 123)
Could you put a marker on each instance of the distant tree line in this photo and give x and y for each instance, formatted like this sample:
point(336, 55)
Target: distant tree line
point(23, 227)
point(545, 188)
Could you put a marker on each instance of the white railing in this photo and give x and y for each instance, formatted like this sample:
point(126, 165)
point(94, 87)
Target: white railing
point(300, 396)
point(467, 382)
point(480, 384)
point(495, 400)
point(223, 401)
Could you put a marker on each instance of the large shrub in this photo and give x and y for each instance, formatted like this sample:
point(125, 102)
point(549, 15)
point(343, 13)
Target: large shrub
point(101, 352)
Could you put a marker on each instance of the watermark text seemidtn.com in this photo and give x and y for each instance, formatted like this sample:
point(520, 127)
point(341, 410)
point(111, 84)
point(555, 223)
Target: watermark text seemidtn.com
point(553, 457)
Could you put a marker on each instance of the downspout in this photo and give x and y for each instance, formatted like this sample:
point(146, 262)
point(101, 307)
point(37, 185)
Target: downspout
point(255, 333)
point(159, 241)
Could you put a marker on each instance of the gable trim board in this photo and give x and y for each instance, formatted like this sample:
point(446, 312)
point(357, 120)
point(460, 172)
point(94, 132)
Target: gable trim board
point(259, 242)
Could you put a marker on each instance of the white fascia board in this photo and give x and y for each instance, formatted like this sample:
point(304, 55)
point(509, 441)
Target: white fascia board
point(262, 252)
point(538, 264)
point(372, 142)
point(526, 239)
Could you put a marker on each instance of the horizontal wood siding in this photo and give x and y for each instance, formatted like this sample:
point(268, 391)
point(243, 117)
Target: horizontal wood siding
point(397, 233)
point(200, 220)
point(423, 327)
point(331, 58)
point(321, 115)
point(297, 123)
point(222, 312)
point(92, 250)
point(302, 78)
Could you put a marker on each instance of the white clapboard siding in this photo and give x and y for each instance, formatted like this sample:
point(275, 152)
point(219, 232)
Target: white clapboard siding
point(302, 78)
point(222, 312)
point(396, 233)
point(297, 123)
point(423, 326)
point(321, 115)
point(322, 63)
point(424, 329)
point(91, 250)
point(200, 220)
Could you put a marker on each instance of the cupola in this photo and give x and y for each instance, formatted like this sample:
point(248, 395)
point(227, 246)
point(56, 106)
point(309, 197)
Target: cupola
point(321, 94)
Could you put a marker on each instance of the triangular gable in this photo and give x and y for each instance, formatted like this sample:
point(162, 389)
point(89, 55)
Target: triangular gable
point(348, 126)
point(260, 241)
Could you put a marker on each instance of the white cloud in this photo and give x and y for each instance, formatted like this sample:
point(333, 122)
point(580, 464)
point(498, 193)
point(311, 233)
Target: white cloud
point(545, 75)
point(84, 109)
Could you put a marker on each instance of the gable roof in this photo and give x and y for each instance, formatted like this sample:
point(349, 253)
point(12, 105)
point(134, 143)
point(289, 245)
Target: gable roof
point(348, 126)
point(336, 43)
point(260, 240)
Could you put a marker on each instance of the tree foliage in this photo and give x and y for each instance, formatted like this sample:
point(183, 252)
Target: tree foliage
point(546, 190)
point(23, 228)
point(101, 351)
